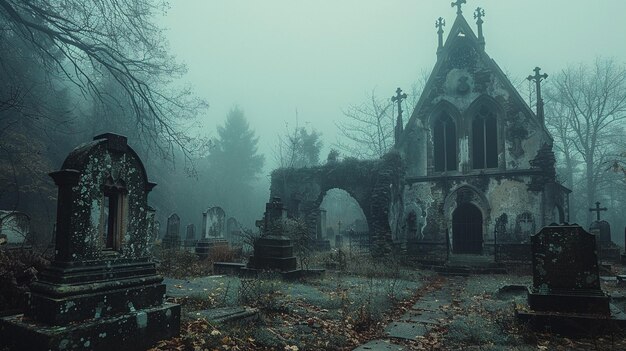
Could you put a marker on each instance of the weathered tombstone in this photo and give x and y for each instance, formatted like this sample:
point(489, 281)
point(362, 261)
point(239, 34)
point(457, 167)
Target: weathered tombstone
point(607, 249)
point(171, 240)
point(213, 223)
point(212, 232)
point(14, 227)
point(233, 231)
point(602, 231)
point(320, 242)
point(101, 291)
point(273, 251)
point(190, 235)
point(565, 272)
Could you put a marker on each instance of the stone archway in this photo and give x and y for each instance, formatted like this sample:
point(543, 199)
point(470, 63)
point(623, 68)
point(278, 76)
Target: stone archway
point(374, 184)
point(460, 199)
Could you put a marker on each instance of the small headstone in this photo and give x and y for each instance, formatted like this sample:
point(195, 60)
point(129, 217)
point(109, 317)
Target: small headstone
point(233, 231)
point(190, 235)
point(565, 272)
point(213, 221)
point(171, 240)
point(101, 291)
point(607, 249)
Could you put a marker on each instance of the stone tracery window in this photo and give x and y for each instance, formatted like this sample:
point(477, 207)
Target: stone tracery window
point(484, 139)
point(444, 140)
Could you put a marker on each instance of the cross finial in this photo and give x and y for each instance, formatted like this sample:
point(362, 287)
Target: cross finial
point(439, 24)
point(399, 124)
point(479, 14)
point(597, 210)
point(458, 4)
point(538, 78)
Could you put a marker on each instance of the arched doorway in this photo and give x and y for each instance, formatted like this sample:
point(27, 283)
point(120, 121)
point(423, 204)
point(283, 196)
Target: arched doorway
point(467, 229)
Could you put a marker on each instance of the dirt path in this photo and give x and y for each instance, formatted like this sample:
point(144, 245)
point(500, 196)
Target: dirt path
point(418, 327)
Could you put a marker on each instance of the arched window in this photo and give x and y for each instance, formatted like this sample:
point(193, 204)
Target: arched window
point(444, 140)
point(484, 139)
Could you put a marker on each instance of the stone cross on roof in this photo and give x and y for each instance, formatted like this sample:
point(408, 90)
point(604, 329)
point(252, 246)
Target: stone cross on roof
point(597, 210)
point(439, 24)
point(538, 78)
point(399, 124)
point(458, 4)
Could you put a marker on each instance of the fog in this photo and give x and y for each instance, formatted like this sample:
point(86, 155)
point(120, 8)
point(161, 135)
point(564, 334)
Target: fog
point(312, 59)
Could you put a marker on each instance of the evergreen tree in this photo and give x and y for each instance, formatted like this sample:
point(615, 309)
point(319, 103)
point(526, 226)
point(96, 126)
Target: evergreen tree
point(234, 162)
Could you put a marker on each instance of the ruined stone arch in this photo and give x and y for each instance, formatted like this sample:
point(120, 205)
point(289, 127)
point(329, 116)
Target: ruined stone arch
point(374, 184)
point(490, 109)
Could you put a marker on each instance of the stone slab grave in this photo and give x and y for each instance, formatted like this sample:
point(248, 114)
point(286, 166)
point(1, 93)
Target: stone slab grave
point(566, 293)
point(213, 224)
point(171, 240)
point(101, 291)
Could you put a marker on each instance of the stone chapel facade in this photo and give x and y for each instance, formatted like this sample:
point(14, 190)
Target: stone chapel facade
point(472, 166)
point(479, 161)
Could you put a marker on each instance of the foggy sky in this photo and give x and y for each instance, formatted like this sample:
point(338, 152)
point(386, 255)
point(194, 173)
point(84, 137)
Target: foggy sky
point(318, 57)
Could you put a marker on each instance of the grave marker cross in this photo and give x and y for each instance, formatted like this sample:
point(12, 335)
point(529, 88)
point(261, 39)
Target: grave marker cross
point(597, 210)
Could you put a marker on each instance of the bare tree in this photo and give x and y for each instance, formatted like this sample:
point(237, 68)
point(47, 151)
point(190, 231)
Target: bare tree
point(369, 128)
point(87, 40)
point(593, 100)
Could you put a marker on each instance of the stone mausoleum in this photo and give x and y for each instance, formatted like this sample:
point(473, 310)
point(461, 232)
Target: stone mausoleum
point(472, 167)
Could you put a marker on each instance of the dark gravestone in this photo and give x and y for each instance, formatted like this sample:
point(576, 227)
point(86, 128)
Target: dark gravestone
point(101, 291)
point(233, 231)
point(607, 250)
point(190, 235)
point(565, 272)
point(273, 251)
point(171, 240)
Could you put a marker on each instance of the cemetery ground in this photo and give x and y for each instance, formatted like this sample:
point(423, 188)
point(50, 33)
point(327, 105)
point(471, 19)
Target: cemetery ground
point(364, 305)
point(358, 305)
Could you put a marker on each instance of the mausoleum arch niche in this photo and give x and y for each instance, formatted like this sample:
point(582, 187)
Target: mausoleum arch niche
point(485, 142)
point(444, 121)
point(113, 213)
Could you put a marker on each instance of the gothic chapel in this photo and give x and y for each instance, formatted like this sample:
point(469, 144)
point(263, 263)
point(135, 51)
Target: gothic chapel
point(479, 161)
point(472, 168)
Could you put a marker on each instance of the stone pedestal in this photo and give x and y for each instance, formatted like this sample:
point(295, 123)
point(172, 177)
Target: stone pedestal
point(101, 291)
point(273, 253)
point(204, 247)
